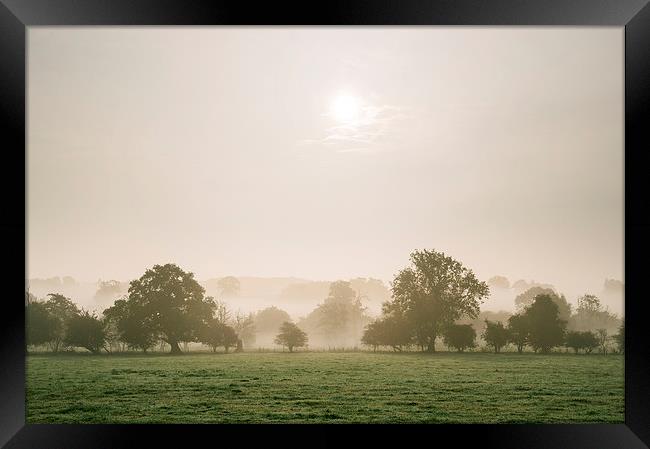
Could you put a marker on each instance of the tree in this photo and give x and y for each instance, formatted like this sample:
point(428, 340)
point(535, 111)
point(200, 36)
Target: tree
point(590, 315)
point(372, 289)
point(390, 330)
point(340, 319)
point(291, 336)
point(333, 310)
point(86, 331)
point(229, 286)
point(601, 334)
point(460, 336)
point(112, 336)
point(573, 339)
point(221, 312)
point(269, 320)
point(212, 334)
point(108, 290)
point(230, 338)
point(518, 331)
point(433, 293)
point(171, 303)
point(29, 298)
point(546, 329)
point(589, 303)
point(620, 338)
point(526, 298)
point(41, 326)
point(244, 325)
point(520, 285)
point(62, 309)
point(495, 335)
point(581, 340)
point(372, 335)
point(215, 333)
point(589, 341)
point(133, 325)
point(501, 282)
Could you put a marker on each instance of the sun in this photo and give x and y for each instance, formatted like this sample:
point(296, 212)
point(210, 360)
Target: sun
point(345, 108)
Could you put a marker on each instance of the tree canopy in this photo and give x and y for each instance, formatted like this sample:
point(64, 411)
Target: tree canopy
point(229, 286)
point(270, 319)
point(518, 331)
point(341, 317)
point(86, 331)
point(433, 293)
point(495, 335)
point(390, 330)
point(216, 333)
point(61, 309)
point(291, 336)
point(460, 336)
point(546, 329)
point(42, 327)
point(526, 298)
point(498, 282)
point(620, 337)
point(169, 303)
point(578, 340)
point(244, 325)
point(132, 324)
point(591, 315)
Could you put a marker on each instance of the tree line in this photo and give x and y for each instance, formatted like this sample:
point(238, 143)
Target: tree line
point(165, 305)
point(436, 291)
point(431, 301)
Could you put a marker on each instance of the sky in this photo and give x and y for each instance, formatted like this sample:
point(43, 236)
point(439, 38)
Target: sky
point(325, 152)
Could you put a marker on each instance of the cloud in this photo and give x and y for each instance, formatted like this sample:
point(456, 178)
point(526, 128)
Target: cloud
point(367, 133)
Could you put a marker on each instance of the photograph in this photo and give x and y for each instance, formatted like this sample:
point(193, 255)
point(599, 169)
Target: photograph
point(325, 225)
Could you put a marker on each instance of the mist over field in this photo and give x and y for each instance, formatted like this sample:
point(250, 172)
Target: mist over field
point(299, 296)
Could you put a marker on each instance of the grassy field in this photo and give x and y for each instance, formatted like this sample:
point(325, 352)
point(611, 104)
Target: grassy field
point(325, 387)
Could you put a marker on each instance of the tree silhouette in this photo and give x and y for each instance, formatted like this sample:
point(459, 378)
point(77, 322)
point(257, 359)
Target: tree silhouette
point(41, 325)
point(620, 337)
point(526, 299)
point(229, 286)
point(215, 333)
point(170, 303)
point(133, 324)
point(433, 293)
point(390, 330)
point(341, 317)
point(62, 309)
point(291, 336)
point(86, 331)
point(518, 331)
point(269, 320)
point(546, 329)
point(244, 325)
point(460, 336)
point(601, 334)
point(495, 335)
point(581, 340)
point(591, 315)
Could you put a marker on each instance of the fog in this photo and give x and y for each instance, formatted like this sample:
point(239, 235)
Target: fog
point(299, 297)
point(301, 156)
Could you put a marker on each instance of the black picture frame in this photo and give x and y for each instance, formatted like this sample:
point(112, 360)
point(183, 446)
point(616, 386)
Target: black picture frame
point(633, 15)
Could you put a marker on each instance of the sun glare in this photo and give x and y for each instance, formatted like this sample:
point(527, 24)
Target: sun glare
point(345, 108)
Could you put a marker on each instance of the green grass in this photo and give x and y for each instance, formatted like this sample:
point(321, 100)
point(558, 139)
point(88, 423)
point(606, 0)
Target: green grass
point(325, 388)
